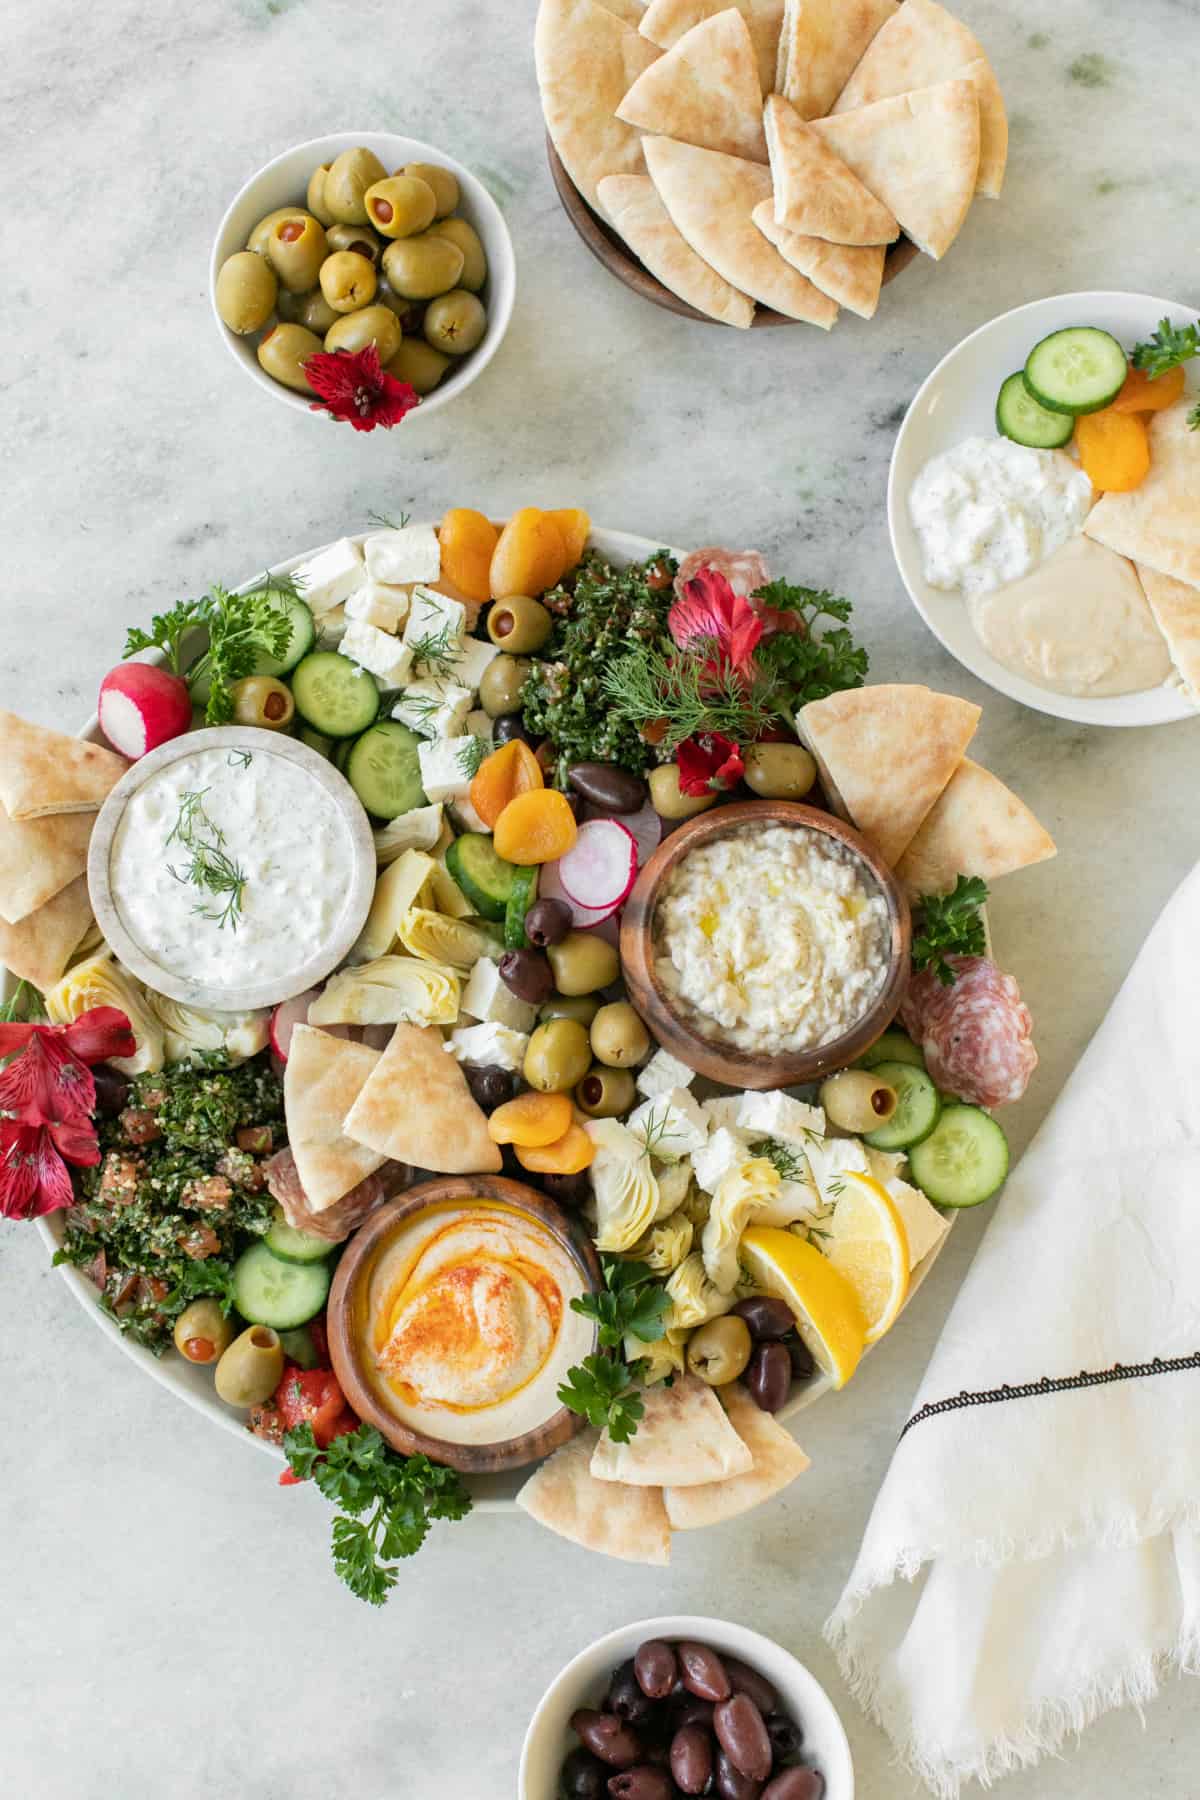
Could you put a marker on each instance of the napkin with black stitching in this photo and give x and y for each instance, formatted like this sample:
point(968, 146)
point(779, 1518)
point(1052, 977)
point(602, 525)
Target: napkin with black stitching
point(1033, 1557)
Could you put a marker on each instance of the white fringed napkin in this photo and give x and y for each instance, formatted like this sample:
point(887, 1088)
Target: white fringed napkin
point(1033, 1558)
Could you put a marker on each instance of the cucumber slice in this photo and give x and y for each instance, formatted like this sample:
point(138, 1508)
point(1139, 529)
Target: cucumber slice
point(340, 754)
point(299, 1348)
point(267, 1291)
point(1075, 371)
point(964, 1160)
point(1021, 418)
point(522, 897)
point(302, 636)
point(333, 696)
point(893, 1046)
point(918, 1104)
point(485, 878)
point(316, 740)
point(290, 1245)
point(384, 770)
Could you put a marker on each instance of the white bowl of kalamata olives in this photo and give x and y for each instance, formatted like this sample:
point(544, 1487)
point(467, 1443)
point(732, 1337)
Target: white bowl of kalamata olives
point(357, 238)
point(681, 1706)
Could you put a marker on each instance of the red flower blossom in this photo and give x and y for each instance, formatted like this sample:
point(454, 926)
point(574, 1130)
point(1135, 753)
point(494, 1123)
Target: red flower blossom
point(33, 1176)
point(47, 1095)
point(710, 764)
point(354, 386)
point(711, 610)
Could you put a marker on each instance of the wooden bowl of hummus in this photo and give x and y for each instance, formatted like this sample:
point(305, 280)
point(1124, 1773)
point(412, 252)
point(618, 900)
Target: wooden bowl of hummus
point(450, 1325)
point(766, 943)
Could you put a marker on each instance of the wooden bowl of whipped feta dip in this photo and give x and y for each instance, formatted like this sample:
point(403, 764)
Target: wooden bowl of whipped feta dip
point(766, 943)
point(450, 1323)
point(231, 868)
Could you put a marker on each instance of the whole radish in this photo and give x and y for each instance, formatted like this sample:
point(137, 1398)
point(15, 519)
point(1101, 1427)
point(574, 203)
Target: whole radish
point(142, 706)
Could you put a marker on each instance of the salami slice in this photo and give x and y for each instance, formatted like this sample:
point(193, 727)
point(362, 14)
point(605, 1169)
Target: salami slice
point(976, 1036)
point(744, 570)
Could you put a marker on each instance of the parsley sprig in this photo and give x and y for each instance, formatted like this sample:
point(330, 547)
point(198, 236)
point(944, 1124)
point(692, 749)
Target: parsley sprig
point(1194, 418)
point(817, 661)
point(603, 1386)
point(240, 629)
point(950, 926)
point(386, 1502)
point(1166, 348)
point(24, 1004)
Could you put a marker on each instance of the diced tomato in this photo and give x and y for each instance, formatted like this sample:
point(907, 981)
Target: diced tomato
point(320, 1340)
point(311, 1397)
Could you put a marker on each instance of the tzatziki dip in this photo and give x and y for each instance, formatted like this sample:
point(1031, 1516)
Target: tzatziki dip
point(231, 867)
point(774, 938)
point(989, 511)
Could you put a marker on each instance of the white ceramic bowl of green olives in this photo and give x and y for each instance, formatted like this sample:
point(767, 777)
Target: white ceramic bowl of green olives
point(261, 302)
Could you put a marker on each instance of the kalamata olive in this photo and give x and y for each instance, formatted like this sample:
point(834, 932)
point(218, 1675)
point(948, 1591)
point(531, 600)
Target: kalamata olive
point(766, 1317)
point(526, 973)
point(795, 1784)
point(605, 785)
point(702, 1671)
point(785, 1735)
point(745, 1680)
point(655, 1667)
point(768, 1377)
point(112, 1090)
point(742, 1735)
point(626, 1698)
point(568, 1190)
point(607, 1737)
point(490, 1087)
point(582, 1777)
point(689, 1709)
point(643, 1783)
point(547, 922)
point(691, 1759)
point(509, 726)
point(731, 1783)
point(801, 1356)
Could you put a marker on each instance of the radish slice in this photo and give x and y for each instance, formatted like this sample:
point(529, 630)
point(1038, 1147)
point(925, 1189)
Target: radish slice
point(142, 706)
point(644, 826)
point(287, 1015)
point(609, 929)
point(582, 917)
point(601, 866)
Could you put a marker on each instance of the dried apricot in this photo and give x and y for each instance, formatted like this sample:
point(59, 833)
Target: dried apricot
point(535, 828)
point(574, 525)
point(1114, 449)
point(532, 1120)
point(468, 543)
point(500, 777)
point(1149, 393)
point(567, 1155)
point(530, 556)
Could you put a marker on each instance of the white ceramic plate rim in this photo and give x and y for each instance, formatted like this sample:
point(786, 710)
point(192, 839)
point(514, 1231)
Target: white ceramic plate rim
point(1129, 317)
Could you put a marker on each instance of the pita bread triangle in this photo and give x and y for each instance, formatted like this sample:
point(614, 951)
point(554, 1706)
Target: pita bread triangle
point(851, 274)
point(683, 1439)
point(704, 90)
point(819, 45)
point(1158, 522)
point(628, 11)
point(587, 60)
point(778, 1459)
point(633, 205)
point(710, 197)
point(665, 21)
point(919, 154)
point(322, 1078)
point(39, 947)
point(43, 772)
point(1176, 609)
point(885, 753)
point(976, 826)
point(416, 1107)
point(815, 193)
point(38, 857)
point(606, 1516)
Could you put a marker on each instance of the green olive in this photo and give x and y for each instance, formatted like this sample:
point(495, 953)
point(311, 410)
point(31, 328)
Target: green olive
point(288, 306)
point(315, 197)
point(407, 311)
point(605, 1093)
point(419, 364)
point(296, 249)
point(421, 267)
point(246, 291)
point(455, 322)
point(519, 624)
point(248, 1373)
point(618, 1035)
point(474, 271)
point(369, 325)
point(257, 241)
point(667, 799)
point(720, 1350)
point(316, 313)
point(347, 281)
point(583, 962)
point(346, 182)
point(202, 1332)
point(582, 1007)
point(400, 205)
point(443, 182)
point(359, 238)
point(262, 700)
point(283, 353)
point(557, 1056)
point(857, 1100)
point(780, 771)
point(502, 685)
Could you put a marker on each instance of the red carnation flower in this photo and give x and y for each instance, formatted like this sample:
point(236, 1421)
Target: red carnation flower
point(710, 764)
point(711, 610)
point(354, 386)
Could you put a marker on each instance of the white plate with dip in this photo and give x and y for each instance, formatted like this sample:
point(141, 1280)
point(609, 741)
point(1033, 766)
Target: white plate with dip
point(958, 401)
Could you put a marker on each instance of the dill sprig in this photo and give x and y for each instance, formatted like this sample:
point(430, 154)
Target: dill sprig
point(435, 650)
point(690, 694)
point(209, 866)
point(378, 518)
point(470, 755)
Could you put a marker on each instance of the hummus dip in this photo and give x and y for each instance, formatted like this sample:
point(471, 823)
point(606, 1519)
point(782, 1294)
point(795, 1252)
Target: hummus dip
point(773, 938)
point(468, 1326)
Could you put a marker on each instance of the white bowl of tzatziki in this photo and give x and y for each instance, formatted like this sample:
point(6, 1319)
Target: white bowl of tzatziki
point(231, 868)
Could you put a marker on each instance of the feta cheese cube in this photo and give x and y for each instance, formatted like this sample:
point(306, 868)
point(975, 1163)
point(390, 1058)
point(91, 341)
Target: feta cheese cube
point(404, 556)
point(330, 576)
point(433, 706)
point(614, 1140)
point(775, 1114)
point(386, 607)
point(722, 1109)
point(435, 616)
point(494, 1046)
point(384, 655)
point(672, 1124)
point(829, 1159)
point(331, 628)
point(924, 1226)
point(724, 1150)
point(792, 1203)
point(487, 998)
point(479, 725)
point(444, 767)
point(662, 1073)
point(470, 660)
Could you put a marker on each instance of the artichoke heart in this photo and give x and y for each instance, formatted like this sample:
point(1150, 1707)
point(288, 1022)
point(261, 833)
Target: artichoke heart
point(455, 943)
point(402, 884)
point(660, 1358)
point(666, 1244)
point(99, 981)
point(190, 1031)
point(391, 990)
point(415, 830)
point(448, 897)
point(694, 1299)
point(626, 1196)
point(741, 1193)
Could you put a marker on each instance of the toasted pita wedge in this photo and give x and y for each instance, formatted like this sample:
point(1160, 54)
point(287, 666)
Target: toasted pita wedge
point(1158, 523)
point(778, 1459)
point(633, 205)
point(885, 753)
point(851, 274)
point(1176, 609)
point(607, 1516)
point(587, 60)
point(683, 1439)
point(628, 11)
point(38, 858)
point(976, 826)
point(710, 197)
point(919, 154)
point(322, 1079)
point(416, 1108)
point(819, 45)
point(704, 90)
point(39, 947)
point(665, 21)
point(815, 193)
point(45, 772)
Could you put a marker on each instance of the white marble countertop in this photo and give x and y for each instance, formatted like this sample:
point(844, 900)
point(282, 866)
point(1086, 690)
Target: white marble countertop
point(171, 1621)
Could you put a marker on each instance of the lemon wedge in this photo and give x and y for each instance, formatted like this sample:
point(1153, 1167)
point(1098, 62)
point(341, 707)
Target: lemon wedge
point(867, 1244)
point(828, 1315)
